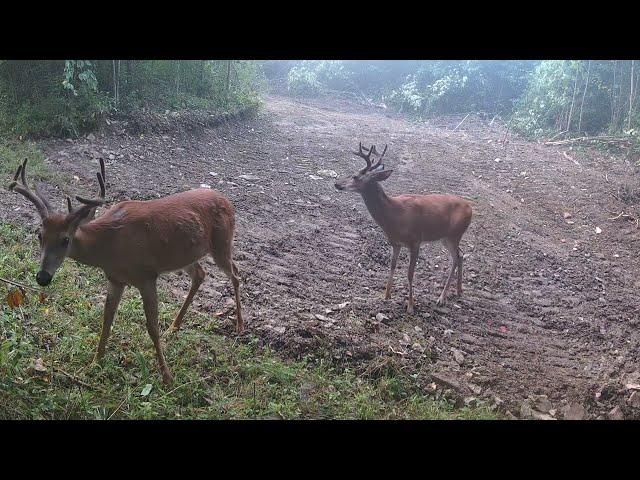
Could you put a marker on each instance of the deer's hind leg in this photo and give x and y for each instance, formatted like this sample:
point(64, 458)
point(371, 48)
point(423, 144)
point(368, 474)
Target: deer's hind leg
point(223, 256)
point(451, 244)
point(197, 274)
point(414, 251)
point(149, 293)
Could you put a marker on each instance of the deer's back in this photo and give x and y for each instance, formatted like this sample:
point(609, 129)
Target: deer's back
point(167, 233)
point(430, 217)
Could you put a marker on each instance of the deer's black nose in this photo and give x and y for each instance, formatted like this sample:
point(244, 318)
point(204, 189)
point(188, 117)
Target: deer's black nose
point(43, 278)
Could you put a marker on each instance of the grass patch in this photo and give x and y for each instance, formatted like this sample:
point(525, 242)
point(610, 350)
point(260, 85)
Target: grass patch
point(13, 154)
point(46, 349)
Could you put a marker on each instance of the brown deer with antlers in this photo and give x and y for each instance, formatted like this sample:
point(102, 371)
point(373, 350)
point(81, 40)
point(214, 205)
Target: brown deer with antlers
point(134, 242)
point(409, 220)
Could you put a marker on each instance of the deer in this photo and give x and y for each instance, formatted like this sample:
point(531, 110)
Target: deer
point(134, 242)
point(409, 220)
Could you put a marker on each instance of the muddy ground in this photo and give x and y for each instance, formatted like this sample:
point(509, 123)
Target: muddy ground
point(550, 306)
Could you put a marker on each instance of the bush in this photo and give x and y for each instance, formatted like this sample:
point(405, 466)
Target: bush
point(71, 97)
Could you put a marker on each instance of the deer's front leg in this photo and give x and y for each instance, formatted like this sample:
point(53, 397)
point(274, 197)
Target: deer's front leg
point(414, 251)
point(394, 262)
point(150, 301)
point(114, 294)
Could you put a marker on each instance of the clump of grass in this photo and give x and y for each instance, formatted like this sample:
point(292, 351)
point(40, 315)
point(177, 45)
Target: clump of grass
point(46, 372)
point(12, 154)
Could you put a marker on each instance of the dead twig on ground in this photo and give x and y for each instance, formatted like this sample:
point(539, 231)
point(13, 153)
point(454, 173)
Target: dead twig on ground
point(77, 380)
point(458, 126)
point(11, 282)
point(568, 157)
point(600, 139)
point(627, 216)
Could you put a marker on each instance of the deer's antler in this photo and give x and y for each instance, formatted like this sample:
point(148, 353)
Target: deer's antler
point(94, 202)
point(367, 156)
point(377, 164)
point(41, 204)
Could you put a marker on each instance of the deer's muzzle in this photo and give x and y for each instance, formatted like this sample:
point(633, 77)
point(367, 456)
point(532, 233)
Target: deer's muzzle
point(43, 278)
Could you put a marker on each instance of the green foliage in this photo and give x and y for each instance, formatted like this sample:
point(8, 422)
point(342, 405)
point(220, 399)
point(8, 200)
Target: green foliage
point(578, 97)
point(312, 78)
point(12, 154)
point(445, 87)
point(216, 377)
point(71, 97)
point(421, 87)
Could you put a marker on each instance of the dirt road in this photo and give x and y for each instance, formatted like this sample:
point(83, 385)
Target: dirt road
point(550, 306)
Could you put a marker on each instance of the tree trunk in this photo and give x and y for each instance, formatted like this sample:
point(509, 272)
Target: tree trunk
point(613, 96)
point(573, 100)
point(228, 80)
point(178, 78)
point(584, 94)
point(630, 95)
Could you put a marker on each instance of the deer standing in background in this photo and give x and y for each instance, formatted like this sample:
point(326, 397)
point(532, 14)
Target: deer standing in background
point(134, 242)
point(409, 220)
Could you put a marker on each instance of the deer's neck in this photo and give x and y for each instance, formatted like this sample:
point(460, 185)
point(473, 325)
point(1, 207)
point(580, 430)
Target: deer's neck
point(378, 203)
point(88, 246)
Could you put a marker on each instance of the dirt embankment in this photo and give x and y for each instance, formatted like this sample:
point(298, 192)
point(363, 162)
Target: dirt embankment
point(550, 303)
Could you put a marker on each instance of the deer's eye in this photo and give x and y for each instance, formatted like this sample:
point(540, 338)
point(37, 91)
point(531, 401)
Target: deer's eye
point(65, 242)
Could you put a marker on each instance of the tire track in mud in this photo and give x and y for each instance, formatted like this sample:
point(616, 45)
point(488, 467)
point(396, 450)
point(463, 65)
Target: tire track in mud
point(548, 308)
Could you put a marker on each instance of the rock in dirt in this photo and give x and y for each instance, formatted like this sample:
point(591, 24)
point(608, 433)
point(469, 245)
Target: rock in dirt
point(449, 382)
point(634, 400)
point(616, 414)
point(327, 173)
point(541, 403)
point(536, 407)
point(476, 389)
point(529, 413)
point(251, 178)
point(91, 137)
point(381, 317)
point(315, 177)
point(458, 356)
point(574, 411)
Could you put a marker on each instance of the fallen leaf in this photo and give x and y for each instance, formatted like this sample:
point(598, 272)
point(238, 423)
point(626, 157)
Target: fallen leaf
point(39, 366)
point(146, 390)
point(15, 297)
point(43, 297)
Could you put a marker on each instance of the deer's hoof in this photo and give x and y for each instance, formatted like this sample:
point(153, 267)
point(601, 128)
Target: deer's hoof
point(167, 379)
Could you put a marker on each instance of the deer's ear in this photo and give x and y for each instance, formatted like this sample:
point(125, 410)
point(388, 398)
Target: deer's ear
point(381, 175)
point(80, 216)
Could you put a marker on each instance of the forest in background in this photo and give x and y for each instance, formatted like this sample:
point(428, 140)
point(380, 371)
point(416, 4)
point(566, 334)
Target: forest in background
point(72, 97)
point(537, 98)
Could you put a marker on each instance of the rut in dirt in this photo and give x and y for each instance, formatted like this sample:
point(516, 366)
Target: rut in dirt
point(549, 305)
